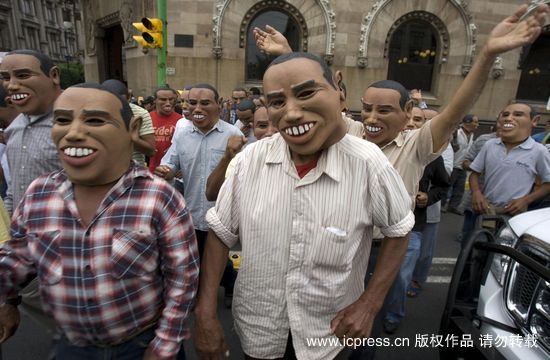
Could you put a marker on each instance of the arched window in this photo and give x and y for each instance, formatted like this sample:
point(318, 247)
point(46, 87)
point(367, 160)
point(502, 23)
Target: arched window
point(535, 70)
point(256, 61)
point(412, 52)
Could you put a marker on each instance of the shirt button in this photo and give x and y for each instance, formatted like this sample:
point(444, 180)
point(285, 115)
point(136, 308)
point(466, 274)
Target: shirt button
point(88, 270)
point(24, 146)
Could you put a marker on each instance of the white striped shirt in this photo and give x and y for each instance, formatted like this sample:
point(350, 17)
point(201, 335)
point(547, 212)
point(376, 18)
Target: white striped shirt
point(305, 242)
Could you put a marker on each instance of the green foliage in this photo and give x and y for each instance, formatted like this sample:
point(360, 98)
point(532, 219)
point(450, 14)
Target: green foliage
point(72, 73)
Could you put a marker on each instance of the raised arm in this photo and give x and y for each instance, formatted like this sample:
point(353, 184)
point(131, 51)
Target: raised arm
point(509, 34)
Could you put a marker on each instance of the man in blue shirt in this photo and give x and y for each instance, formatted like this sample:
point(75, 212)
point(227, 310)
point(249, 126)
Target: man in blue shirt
point(196, 150)
point(510, 165)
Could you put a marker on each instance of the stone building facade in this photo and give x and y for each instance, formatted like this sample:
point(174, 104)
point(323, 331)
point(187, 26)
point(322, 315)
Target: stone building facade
point(50, 26)
point(429, 44)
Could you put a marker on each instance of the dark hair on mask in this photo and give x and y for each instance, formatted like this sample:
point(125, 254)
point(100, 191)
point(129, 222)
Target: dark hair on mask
point(46, 64)
point(246, 104)
point(327, 73)
point(164, 88)
point(117, 86)
point(3, 94)
point(532, 112)
point(393, 85)
point(209, 87)
point(125, 111)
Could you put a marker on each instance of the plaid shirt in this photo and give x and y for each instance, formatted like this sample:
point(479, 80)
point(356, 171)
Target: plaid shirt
point(136, 262)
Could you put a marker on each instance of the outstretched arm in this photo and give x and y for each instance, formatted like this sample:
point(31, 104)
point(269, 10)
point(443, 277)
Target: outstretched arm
point(509, 34)
point(271, 41)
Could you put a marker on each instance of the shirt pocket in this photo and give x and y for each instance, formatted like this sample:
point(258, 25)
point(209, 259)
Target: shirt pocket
point(331, 250)
point(133, 254)
point(215, 157)
point(45, 250)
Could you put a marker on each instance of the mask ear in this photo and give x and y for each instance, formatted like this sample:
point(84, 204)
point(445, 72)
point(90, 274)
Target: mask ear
point(55, 75)
point(337, 78)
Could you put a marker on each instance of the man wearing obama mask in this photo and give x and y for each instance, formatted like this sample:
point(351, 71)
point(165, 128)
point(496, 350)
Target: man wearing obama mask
point(113, 247)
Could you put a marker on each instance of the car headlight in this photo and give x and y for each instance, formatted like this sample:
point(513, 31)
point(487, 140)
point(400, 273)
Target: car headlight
point(507, 237)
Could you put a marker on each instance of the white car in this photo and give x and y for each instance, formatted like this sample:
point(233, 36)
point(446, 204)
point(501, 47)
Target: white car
point(500, 292)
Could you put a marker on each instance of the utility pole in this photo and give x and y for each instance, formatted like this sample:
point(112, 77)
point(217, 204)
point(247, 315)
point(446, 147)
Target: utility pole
point(161, 52)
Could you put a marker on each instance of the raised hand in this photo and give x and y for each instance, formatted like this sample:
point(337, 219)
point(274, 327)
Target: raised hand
point(271, 41)
point(513, 32)
point(234, 145)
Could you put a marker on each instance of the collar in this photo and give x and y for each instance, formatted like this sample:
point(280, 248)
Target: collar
point(127, 179)
point(217, 126)
point(279, 153)
point(398, 141)
point(526, 145)
point(36, 118)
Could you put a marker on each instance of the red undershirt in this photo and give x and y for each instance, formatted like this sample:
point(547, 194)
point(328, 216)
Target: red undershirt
point(304, 169)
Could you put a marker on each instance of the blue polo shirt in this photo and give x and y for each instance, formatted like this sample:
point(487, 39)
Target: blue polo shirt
point(196, 154)
point(511, 175)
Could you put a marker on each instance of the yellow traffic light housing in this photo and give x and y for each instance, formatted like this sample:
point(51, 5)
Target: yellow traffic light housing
point(151, 33)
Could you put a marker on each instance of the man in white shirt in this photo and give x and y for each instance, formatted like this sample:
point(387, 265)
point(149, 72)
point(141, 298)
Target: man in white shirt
point(303, 204)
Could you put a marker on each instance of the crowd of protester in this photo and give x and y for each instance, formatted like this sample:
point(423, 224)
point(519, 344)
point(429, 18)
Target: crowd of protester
point(121, 206)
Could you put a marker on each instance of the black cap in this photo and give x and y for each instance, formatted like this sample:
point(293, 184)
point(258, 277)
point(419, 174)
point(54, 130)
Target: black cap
point(149, 100)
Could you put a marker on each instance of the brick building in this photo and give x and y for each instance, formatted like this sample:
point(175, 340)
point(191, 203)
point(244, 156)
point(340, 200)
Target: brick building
point(427, 44)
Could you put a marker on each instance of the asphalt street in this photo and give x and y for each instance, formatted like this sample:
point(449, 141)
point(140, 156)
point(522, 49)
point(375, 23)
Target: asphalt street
point(422, 319)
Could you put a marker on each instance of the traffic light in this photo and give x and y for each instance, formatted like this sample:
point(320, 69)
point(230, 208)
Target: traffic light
point(151, 33)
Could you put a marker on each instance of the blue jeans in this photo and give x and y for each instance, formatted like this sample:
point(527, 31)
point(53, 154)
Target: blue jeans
point(469, 224)
point(424, 262)
point(458, 180)
point(395, 300)
point(133, 349)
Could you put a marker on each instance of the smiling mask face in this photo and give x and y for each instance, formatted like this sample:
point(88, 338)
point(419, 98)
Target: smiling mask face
point(303, 106)
point(93, 141)
point(30, 90)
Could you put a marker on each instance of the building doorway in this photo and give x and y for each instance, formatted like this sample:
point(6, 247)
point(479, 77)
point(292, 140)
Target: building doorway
point(113, 64)
point(412, 53)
